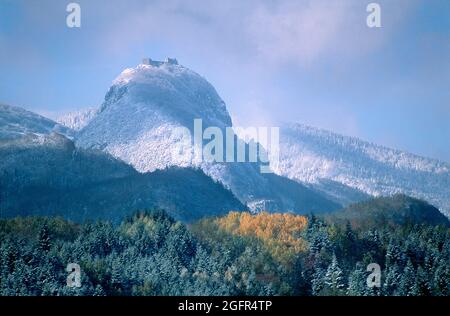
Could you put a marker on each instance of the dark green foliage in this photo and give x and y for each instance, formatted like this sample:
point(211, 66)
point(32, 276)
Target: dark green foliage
point(413, 258)
point(57, 179)
point(357, 285)
point(147, 254)
point(152, 254)
point(334, 279)
point(302, 198)
point(395, 210)
point(44, 239)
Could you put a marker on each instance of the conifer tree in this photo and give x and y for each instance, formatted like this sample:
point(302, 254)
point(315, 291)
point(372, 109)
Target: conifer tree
point(98, 291)
point(421, 285)
point(441, 279)
point(44, 239)
point(317, 281)
point(408, 280)
point(392, 280)
point(334, 278)
point(357, 282)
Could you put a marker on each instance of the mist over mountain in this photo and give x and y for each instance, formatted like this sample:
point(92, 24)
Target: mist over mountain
point(76, 120)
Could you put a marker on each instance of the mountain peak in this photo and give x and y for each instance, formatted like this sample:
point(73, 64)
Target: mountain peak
point(140, 120)
point(142, 110)
point(169, 90)
point(149, 68)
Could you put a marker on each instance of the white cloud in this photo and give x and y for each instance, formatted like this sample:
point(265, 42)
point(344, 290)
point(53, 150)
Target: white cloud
point(274, 33)
point(294, 31)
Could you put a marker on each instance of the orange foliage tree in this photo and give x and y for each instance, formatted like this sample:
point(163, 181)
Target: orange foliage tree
point(279, 233)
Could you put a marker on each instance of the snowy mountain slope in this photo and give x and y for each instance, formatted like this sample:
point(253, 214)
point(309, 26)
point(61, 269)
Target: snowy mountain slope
point(16, 122)
point(316, 156)
point(338, 192)
point(142, 110)
point(139, 120)
point(138, 123)
point(76, 120)
point(318, 171)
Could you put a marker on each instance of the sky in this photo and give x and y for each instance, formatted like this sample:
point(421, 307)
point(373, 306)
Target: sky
point(314, 62)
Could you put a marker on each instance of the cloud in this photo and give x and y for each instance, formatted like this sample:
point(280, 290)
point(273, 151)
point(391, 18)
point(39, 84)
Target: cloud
point(309, 31)
point(273, 33)
point(193, 28)
point(269, 32)
point(294, 31)
point(315, 61)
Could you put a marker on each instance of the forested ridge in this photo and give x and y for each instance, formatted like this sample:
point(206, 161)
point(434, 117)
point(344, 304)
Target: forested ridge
point(150, 253)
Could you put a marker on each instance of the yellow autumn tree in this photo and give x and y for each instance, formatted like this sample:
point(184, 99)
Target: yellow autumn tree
point(279, 233)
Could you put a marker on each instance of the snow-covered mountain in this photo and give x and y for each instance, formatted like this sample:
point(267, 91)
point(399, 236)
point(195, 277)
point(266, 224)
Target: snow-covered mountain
point(76, 120)
point(16, 122)
point(142, 110)
point(42, 172)
point(331, 162)
point(139, 123)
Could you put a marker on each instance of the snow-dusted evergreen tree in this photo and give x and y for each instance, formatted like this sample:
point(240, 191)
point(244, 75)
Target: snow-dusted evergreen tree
point(357, 281)
point(98, 291)
point(408, 280)
point(441, 279)
point(430, 260)
point(317, 281)
point(349, 242)
point(394, 254)
point(392, 280)
point(44, 239)
point(422, 285)
point(334, 279)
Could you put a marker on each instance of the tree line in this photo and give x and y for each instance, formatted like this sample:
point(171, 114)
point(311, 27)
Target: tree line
point(150, 253)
